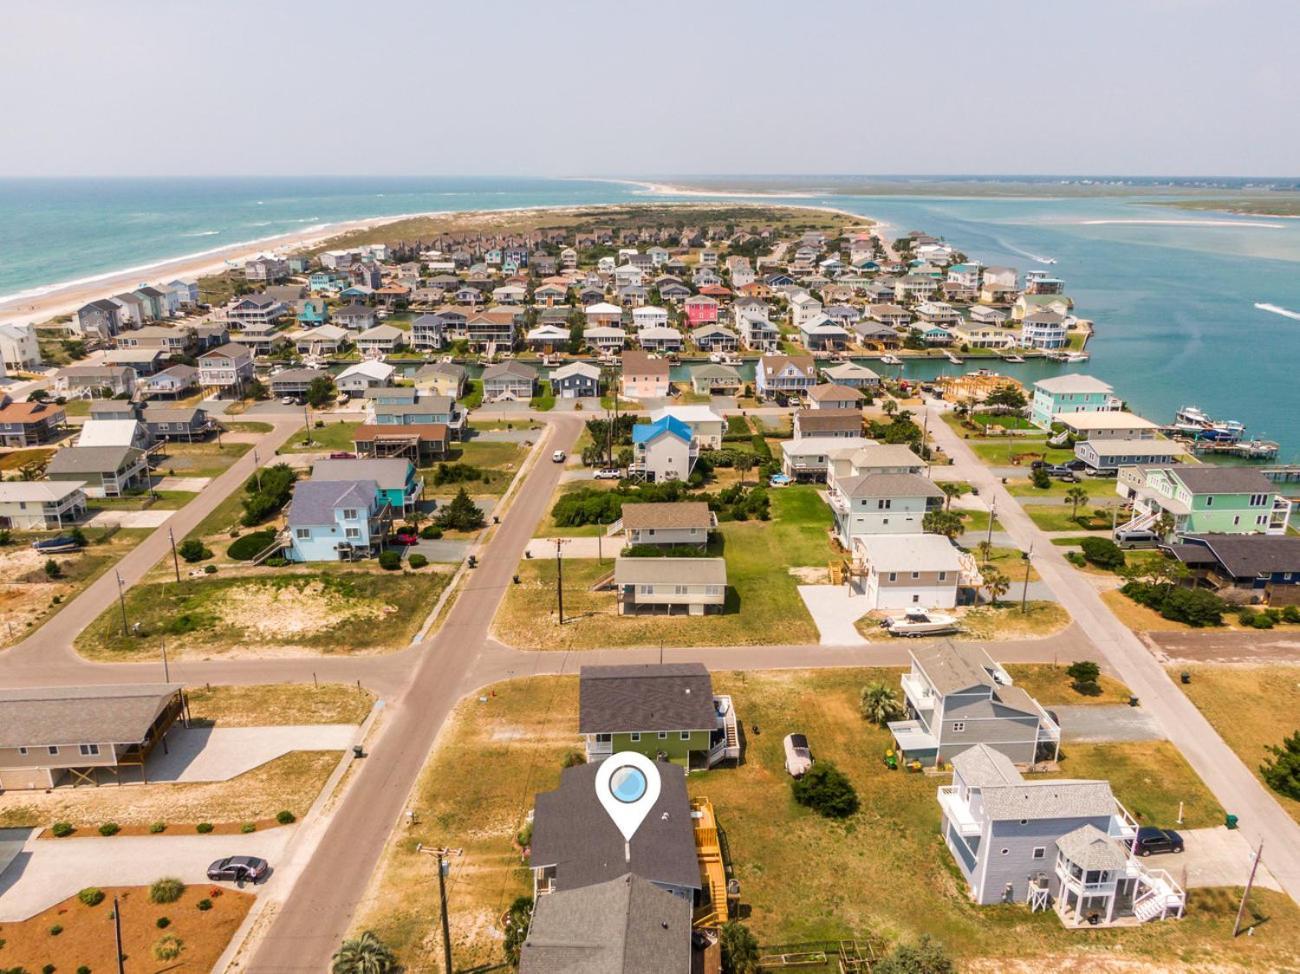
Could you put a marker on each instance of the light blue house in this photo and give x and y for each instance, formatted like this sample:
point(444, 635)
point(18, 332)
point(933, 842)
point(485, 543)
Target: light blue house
point(398, 484)
point(1072, 393)
point(336, 520)
point(323, 281)
point(314, 312)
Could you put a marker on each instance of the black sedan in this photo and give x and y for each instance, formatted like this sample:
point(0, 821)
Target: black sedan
point(1153, 841)
point(239, 869)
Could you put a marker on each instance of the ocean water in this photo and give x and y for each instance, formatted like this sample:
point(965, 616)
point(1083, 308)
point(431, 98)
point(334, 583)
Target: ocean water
point(1173, 302)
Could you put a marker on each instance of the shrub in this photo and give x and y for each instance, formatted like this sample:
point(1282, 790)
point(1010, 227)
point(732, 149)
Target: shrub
point(456, 473)
point(1103, 552)
point(209, 569)
point(48, 969)
point(110, 828)
point(525, 835)
point(52, 569)
point(166, 890)
point(1291, 614)
point(516, 928)
point(249, 546)
point(61, 829)
point(204, 905)
point(276, 562)
point(739, 948)
point(461, 513)
point(193, 550)
point(56, 930)
point(573, 759)
point(1084, 674)
point(83, 969)
point(390, 561)
point(248, 827)
point(1262, 621)
point(1281, 770)
point(826, 790)
point(431, 532)
point(927, 956)
point(91, 896)
point(417, 560)
point(1196, 607)
point(168, 947)
point(162, 923)
point(1040, 479)
point(285, 817)
point(203, 828)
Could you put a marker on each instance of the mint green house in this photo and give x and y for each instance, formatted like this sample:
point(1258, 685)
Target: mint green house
point(665, 711)
point(1072, 393)
point(1201, 499)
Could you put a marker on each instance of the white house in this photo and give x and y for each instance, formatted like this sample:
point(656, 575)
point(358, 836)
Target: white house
point(364, 375)
point(904, 571)
point(18, 347)
point(706, 426)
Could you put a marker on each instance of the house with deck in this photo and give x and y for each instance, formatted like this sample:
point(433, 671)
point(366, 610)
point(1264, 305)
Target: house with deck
point(809, 458)
point(853, 376)
point(909, 571)
point(716, 379)
point(442, 379)
point(29, 423)
point(669, 524)
point(644, 377)
point(1070, 393)
point(41, 505)
point(1199, 498)
point(104, 471)
point(1106, 456)
point(173, 382)
point(339, 520)
point(226, 369)
point(787, 375)
point(577, 380)
point(509, 382)
point(827, 422)
point(397, 482)
point(880, 502)
point(356, 379)
point(670, 586)
point(1244, 567)
point(663, 450)
point(706, 426)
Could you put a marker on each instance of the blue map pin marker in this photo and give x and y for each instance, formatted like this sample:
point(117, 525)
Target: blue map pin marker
point(627, 785)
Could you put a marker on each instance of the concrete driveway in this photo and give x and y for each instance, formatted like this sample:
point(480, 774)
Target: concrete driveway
point(1213, 857)
point(1104, 723)
point(191, 485)
point(130, 519)
point(605, 548)
point(49, 870)
point(834, 611)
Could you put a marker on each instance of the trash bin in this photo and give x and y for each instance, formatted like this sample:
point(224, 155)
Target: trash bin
point(1230, 821)
point(1185, 676)
point(358, 751)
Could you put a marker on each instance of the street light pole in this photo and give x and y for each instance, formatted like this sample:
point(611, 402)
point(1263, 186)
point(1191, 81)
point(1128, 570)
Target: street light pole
point(257, 469)
point(167, 675)
point(306, 424)
point(121, 599)
point(993, 514)
point(559, 577)
point(1024, 594)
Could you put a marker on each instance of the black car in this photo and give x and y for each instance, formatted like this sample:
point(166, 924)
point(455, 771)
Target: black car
point(239, 869)
point(1152, 840)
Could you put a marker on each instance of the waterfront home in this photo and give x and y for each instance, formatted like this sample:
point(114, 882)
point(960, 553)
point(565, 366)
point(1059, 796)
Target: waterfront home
point(397, 483)
point(706, 426)
point(98, 320)
point(335, 520)
point(104, 471)
point(1043, 330)
point(852, 375)
point(1117, 425)
point(132, 310)
point(877, 502)
point(784, 375)
point(226, 369)
point(671, 586)
point(442, 379)
point(663, 450)
point(29, 423)
point(355, 317)
point(364, 375)
point(1201, 499)
point(1244, 567)
point(665, 711)
point(1070, 393)
point(56, 735)
point(31, 505)
point(716, 379)
point(810, 457)
point(603, 313)
point(605, 339)
point(909, 571)
point(94, 381)
point(874, 334)
point(991, 337)
point(829, 395)
point(958, 697)
point(669, 524)
point(577, 380)
point(644, 377)
point(323, 340)
point(1027, 304)
point(186, 293)
point(983, 315)
point(19, 347)
point(1107, 455)
point(660, 339)
point(266, 270)
point(715, 338)
point(1048, 842)
point(821, 333)
point(175, 381)
point(827, 422)
point(428, 332)
point(188, 423)
point(508, 382)
point(547, 339)
point(295, 382)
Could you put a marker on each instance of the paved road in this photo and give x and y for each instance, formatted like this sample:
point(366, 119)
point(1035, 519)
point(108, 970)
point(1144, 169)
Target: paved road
point(1208, 646)
point(1221, 770)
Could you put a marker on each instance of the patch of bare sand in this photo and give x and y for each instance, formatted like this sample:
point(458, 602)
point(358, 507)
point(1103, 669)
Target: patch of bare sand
point(810, 575)
point(294, 610)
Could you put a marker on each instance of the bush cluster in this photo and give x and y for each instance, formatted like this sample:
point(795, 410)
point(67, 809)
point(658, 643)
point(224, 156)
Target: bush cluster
point(456, 473)
point(166, 890)
point(249, 546)
point(274, 491)
point(390, 561)
point(1103, 552)
point(1196, 607)
point(825, 789)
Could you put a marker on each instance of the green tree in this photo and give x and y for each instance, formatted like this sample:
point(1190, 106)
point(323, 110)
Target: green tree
point(951, 489)
point(1085, 674)
point(1008, 397)
point(52, 569)
point(879, 704)
point(985, 548)
point(890, 406)
point(320, 392)
point(1076, 495)
point(192, 550)
point(926, 956)
point(946, 523)
point(1103, 553)
point(366, 954)
point(1281, 770)
point(516, 926)
point(1040, 479)
point(461, 513)
point(739, 948)
point(996, 584)
point(825, 789)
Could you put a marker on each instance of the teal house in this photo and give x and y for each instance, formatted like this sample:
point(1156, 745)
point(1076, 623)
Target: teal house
point(666, 711)
point(1073, 393)
point(314, 312)
point(1198, 498)
point(397, 485)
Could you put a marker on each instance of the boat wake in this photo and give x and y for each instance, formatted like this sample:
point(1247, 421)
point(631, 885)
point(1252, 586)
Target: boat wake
point(1284, 312)
point(202, 233)
point(1024, 253)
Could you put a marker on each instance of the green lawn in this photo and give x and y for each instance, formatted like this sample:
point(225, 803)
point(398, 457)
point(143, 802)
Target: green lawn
point(544, 401)
point(473, 397)
point(207, 459)
point(998, 452)
point(977, 522)
point(763, 604)
point(499, 461)
point(1008, 421)
point(333, 436)
point(332, 610)
point(1058, 517)
point(1094, 487)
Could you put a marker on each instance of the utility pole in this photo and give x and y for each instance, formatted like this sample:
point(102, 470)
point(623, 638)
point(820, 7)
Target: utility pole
point(117, 931)
point(167, 676)
point(1024, 594)
point(121, 600)
point(175, 561)
point(442, 855)
point(993, 514)
point(1245, 894)
point(257, 469)
point(306, 424)
point(559, 576)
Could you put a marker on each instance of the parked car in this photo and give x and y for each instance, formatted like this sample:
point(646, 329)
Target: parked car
point(53, 546)
point(289, 400)
point(558, 456)
point(406, 536)
point(798, 758)
point(609, 473)
point(1151, 840)
point(238, 869)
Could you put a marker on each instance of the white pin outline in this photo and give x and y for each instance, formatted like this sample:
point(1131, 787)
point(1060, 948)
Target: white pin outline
point(627, 816)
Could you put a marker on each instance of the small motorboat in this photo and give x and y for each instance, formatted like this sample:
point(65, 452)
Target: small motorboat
point(1012, 358)
point(917, 622)
point(891, 360)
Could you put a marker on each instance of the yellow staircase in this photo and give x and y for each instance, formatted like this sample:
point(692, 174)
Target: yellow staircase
point(713, 911)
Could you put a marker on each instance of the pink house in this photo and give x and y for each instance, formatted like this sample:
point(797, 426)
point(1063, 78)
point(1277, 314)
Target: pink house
point(701, 310)
point(644, 377)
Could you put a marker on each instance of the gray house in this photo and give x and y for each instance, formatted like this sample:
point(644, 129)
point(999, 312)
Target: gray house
point(958, 697)
point(1060, 842)
point(99, 319)
point(576, 380)
point(686, 586)
point(680, 523)
point(187, 423)
point(508, 381)
point(107, 471)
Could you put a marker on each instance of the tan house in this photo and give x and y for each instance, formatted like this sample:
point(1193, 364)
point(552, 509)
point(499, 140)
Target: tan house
point(645, 377)
point(55, 733)
point(671, 586)
point(670, 524)
point(828, 395)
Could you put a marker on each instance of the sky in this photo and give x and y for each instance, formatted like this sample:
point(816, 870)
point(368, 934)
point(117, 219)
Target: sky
point(555, 88)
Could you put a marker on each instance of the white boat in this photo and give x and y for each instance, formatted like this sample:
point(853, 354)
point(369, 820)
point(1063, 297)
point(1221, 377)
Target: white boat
point(953, 358)
point(891, 360)
point(1193, 422)
point(1012, 358)
point(917, 622)
point(1075, 357)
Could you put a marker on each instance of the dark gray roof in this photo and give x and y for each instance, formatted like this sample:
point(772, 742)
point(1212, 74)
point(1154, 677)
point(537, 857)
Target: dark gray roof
point(314, 501)
point(649, 697)
point(1202, 478)
point(509, 370)
point(1248, 555)
point(92, 459)
point(624, 926)
point(573, 832)
point(889, 485)
point(298, 375)
point(388, 473)
point(172, 414)
point(54, 716)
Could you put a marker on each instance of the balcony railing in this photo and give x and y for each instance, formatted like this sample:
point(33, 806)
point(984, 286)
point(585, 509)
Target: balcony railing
point(958, 811)
point(918, 693)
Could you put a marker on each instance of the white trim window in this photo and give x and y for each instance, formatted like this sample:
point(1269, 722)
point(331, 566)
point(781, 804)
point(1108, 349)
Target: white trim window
point(958, 726)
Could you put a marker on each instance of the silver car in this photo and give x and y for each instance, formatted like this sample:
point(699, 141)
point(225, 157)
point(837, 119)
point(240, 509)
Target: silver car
point(798, 758)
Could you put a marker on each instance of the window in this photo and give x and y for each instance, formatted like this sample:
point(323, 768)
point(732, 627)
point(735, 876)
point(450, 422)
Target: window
point(54, 749)
point(22, 750)
point(943, 576)
point(302, 534)
point(90, 749)
point(916, 599)
point(1209, 501)
point(1004, 850)
point(958, 726)
point(663, 735)
point(685, 735)
point(1040, 852)
point(352, 532)
point(604, 738)
point(635, 736)
point(883, 504)
point(893, 576)
point(1236, 519)
point(349, 513)
point(681, 589)
point(916, 575)
point(645, 590)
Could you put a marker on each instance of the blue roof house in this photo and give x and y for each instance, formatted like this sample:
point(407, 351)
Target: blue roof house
point(663, 450)
point(336, 520)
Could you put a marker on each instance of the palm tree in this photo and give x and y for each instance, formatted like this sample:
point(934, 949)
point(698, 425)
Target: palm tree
point(879, 704)
point(985, 549)
point(950, 490)
point(366, 954)
point(996, 584)
point(1076, 496)
point(1164, 525)
point(739, 949)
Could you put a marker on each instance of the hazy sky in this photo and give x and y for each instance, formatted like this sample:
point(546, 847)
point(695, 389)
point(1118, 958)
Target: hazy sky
point(1178, 87)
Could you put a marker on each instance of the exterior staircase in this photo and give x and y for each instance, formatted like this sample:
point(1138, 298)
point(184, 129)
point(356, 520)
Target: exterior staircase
point(279, 544)
point(1143, 522)
point(1158, 896)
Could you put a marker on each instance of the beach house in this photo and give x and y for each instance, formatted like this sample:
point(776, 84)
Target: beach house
point(784, 375)
point(226, 369)
point(1197, 498)
point(398, 484)
point(670, 586)
point(335, 520)
point(663, 450)
point(1070, 393)
point(644, 377)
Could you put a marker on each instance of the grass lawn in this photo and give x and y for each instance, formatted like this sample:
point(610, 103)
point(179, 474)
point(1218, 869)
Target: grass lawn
point(473, 397)
point(199, 459)
point(1150, 778)
point(279, 704)
point(1092, 486)
point(1009, 561)
point(1251, 707)
point(763, 604)
point(499, 462)
point(331, 438)
point(221, 519)
point(1057, 517)
point(974, 522)
point(324, 610)
point(544, 401)
point(1004, 621)
point(1007, 421)
point(999, 451)
point(16, 459)
point(1051, 686)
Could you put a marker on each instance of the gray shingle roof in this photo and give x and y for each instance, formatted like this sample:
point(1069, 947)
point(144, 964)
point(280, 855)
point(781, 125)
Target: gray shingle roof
point(680, 514)
point(573, 832)
point(952, 667)
point(1090, 848)
point(1203, 478)
point(698, 571)
point(1249, 555)
point(92, 459)
point(388, 473)
point(667, 696)
point(59, 716)
point(624, 926)
point(888, 485)
point(315, 501)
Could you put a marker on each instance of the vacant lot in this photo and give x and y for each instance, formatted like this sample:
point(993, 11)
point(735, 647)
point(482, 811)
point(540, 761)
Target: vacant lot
point(85, 939)
point(279, 703)
point(1052, 686)
point(1007, 451)
point(1251, 707)
point(268, 612)
point(763, 603)
point(802, 877)
point(1094, 487)
point(205, 459)
point(291, 782)
point(1003, 621)
point(1062, 517)
point(334, 436)
point(497, 461)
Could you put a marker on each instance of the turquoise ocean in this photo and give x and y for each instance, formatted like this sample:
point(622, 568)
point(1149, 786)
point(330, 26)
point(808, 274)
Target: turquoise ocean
point(1174, 302)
